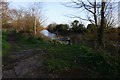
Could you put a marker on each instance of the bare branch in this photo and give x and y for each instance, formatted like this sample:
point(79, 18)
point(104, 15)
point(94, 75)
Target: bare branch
point(87, 8)
point(90, 3)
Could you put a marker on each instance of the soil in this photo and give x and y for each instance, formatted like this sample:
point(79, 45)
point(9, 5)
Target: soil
point(26, 62)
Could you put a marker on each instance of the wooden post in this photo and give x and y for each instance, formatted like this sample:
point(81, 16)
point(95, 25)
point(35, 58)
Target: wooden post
point(68, 41)
point(35, 27)
point(54, 41)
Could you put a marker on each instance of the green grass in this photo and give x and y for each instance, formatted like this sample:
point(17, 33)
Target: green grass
point(64, 58)
point(0, 47)
point(6, 48)
point(61, 58)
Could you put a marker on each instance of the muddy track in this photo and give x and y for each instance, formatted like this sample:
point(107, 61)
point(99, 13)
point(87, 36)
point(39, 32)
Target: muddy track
point(27, 63)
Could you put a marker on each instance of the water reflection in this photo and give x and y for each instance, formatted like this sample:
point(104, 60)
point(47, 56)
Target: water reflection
point(48, 34)
point(64, 40)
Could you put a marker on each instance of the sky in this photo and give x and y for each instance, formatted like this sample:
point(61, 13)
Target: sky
point(56, 12)
point(53, 12)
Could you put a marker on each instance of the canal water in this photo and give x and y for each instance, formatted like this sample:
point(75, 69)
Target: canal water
point(52, 36)
point(48, 34)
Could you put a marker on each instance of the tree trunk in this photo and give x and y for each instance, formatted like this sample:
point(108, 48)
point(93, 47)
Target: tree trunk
point(102, 26)
point(95, 17)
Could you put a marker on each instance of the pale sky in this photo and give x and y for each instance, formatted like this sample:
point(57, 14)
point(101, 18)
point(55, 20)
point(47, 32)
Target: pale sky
point(54, 0)
point(53, 10)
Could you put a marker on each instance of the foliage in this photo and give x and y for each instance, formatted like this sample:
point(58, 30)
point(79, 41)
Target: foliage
point(62, 29)
point(77, 27)
point(58, 65)
point(65, 58)
point(91, 28)
point(59, 29)
point(4, 12)
point(62, 58)
point(6, 48)
point(51, 27)
point(23, 20)
point(25, 41)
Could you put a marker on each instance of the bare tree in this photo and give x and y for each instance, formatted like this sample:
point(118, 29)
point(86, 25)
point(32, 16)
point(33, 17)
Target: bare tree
point(17, 19)
point(102, 26)
point(96, 13)
point(4, 12)
point(36, 12)
point(22, 20)
point(27, 19)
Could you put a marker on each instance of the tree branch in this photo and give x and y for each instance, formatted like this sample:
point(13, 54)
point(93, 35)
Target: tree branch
point(87, 8)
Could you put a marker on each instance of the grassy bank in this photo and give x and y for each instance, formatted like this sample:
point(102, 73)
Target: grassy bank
point(77, 60)
point(13, 41)
point(6, 48)
point(66, 60)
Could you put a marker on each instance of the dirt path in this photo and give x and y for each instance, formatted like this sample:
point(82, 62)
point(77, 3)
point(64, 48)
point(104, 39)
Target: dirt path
point(27, 63)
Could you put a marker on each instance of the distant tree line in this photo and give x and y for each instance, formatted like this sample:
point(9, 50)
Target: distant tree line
point(66, 29)
point(88, 33)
